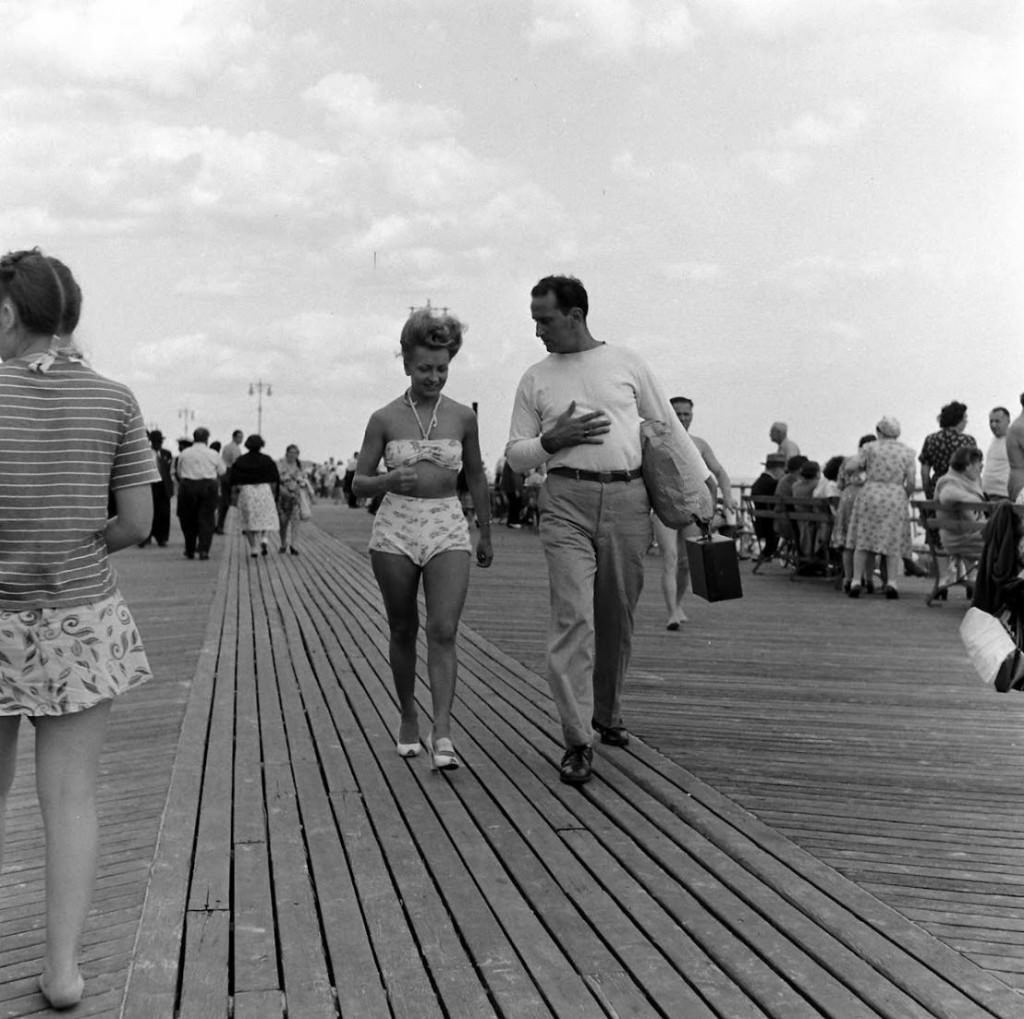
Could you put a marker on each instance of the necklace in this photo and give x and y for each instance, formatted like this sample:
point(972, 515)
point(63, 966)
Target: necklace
point(425, 432)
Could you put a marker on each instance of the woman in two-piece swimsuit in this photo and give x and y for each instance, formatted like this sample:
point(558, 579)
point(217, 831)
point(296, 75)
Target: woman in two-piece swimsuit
point(420, 530)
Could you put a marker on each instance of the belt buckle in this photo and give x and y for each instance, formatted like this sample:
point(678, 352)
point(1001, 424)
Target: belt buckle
point(606, 477)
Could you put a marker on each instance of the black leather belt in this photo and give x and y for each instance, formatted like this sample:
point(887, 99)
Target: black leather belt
point(604, 477)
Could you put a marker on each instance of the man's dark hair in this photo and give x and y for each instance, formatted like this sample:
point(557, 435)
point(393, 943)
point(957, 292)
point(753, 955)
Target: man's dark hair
point(569, 293)
point(794, 463)
point(952, 414)
point(201, 435)
point(680, 399)
point(999, 410)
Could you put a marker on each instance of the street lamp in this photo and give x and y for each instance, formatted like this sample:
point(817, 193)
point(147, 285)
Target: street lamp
point(259, 388)
point(187, 416)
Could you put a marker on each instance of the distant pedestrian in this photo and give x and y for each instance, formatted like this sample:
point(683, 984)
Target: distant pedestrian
point(346, 482)
point(512, 487)
point(68, 644)
point(675, 564)
point(294, 492)
point(228, 455)
point(256, 477)
point(199, 470)
point(779, 434)
point(939, 446)
point(162, 491)
point(879, 521)
point(995, 477)
point(1015, 452)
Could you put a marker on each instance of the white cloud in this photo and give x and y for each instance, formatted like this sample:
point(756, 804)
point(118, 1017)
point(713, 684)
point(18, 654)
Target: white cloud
point(166, 48)
point(135, 174)
point(781, 165)
point(778, 17)
point(613, 26)
point(787, 160)
point(354, 101)
point(839, 126)
point(818, 272)
point(693, 272)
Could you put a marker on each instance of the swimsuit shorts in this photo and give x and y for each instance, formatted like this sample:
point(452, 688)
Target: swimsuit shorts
point(61, 660)
point(419, 528)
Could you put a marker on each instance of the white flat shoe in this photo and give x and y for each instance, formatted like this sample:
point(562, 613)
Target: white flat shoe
point(408, 749)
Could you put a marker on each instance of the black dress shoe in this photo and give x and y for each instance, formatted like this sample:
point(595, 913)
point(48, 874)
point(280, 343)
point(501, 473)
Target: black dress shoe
point(612, 735)
point(576, 765)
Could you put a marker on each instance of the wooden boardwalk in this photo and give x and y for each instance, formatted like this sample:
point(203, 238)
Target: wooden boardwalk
point(304, 869)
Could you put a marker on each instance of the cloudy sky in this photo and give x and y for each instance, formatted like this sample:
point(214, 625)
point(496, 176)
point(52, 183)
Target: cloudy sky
point(800, 209)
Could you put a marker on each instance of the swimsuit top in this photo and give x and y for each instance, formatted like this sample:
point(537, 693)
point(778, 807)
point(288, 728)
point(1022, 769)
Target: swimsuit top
point(445, 453)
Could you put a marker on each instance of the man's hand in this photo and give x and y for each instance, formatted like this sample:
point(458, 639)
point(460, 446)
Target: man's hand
point(586, 429)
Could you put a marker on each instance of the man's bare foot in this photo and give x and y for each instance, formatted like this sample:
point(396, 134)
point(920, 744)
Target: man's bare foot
point(64, 993)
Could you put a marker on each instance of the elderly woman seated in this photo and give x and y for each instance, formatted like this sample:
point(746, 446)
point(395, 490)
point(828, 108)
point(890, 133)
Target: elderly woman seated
point(960, 527)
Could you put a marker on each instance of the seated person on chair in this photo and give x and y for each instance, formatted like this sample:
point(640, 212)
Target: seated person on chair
point(961, 528)
point(784, 489)
point(764, 485)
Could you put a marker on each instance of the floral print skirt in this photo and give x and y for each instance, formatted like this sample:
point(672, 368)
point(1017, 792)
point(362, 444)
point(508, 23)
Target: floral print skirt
point(61, 660)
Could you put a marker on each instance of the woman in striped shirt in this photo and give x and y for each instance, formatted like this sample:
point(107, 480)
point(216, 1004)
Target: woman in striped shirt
point(68, 643)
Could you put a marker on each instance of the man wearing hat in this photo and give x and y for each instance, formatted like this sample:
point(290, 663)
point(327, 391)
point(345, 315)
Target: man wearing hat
point(774, 468)
point(162, 491)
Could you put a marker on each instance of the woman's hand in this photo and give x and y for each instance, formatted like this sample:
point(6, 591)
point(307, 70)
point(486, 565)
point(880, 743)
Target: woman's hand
point(484, 552)
point(403, 480)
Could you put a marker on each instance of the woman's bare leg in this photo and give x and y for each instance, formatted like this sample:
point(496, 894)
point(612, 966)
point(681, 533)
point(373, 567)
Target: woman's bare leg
point(445, 582)
point(399, 580)
point(68, 751)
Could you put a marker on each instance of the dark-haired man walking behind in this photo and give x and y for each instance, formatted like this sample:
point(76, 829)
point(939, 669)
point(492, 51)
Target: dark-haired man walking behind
point(579, 411)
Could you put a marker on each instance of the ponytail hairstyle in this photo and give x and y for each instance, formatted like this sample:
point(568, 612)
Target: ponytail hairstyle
point(33, 283)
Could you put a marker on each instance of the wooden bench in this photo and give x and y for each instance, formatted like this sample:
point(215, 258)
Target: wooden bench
point(941, 561)
point(804, 545)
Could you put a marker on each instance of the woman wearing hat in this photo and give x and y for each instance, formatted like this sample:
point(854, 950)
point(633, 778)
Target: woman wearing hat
point(880, 521)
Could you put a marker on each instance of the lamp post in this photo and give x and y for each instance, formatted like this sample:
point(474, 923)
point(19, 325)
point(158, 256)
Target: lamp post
point(259, 388)
point(187, 416)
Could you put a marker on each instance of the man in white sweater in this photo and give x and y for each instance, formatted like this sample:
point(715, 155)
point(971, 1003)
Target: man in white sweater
point(579, 411)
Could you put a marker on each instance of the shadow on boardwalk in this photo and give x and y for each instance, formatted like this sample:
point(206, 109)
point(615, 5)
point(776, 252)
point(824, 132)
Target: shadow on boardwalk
point(303, 866)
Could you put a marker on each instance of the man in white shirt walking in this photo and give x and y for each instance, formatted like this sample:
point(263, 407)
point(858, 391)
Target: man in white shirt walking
point(199, 468)
point(579, 411)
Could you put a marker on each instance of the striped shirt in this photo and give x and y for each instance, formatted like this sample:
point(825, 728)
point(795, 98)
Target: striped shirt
point(67, 438)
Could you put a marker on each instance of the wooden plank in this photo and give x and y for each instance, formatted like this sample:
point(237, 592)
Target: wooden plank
point(307, 985)
point(204, 983)
point(452, 976)
point(753, 713)
point(258, 1005)
point(151, 985)
point(254, 942)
